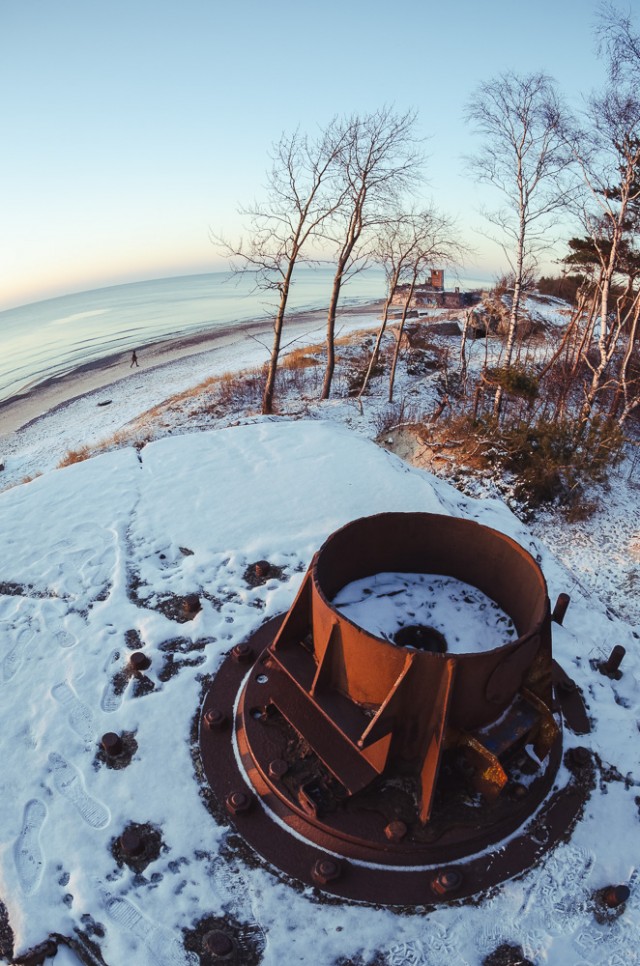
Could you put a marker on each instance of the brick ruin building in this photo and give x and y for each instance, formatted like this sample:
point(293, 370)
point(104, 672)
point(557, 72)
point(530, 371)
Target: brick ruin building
point(432, 294)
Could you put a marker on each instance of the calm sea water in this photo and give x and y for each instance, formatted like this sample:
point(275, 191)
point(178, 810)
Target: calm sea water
point(50, 338)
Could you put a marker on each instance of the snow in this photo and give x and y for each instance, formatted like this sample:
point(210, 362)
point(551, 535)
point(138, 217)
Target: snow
point(188, 514)
point(469, 621)
point(92, 551)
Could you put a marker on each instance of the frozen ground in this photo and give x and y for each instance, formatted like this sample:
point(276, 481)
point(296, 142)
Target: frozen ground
point(93, 552)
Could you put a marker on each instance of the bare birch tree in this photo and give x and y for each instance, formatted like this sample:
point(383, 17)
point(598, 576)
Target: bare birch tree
point(406, 246)
point(380, 159)
point(607, 151)
point(523, 155)
point(303, 191)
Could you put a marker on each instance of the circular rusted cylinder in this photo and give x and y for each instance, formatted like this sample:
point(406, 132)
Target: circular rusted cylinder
point(485, 682)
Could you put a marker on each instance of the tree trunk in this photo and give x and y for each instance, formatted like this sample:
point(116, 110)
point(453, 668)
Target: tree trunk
point(331, 329)
point(269, 389)
point(396, 353)
point(606, 344)
point(630, 402)
point(515, 308)
point(383, 325)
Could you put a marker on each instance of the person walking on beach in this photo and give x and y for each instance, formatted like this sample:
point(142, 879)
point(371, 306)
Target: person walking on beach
point(134, 359)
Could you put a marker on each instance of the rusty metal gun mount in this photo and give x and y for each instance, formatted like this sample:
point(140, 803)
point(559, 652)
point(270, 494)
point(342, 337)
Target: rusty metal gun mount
point(396, 771)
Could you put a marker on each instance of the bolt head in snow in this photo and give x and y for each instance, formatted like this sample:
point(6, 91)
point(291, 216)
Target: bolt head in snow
point(112, 744)
point(579, 756)
point(218, 944)
point(262, 568)
point(139, 661)
point(191, 605)
point(614, 896)
point(131, 843)
point(610, 667)
point(560, 609)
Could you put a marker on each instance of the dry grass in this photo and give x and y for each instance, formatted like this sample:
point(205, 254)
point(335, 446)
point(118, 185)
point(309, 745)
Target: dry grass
point(75, 456)
point(303, 357)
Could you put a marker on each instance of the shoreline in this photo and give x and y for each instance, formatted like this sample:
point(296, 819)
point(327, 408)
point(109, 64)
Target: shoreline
point(19, 412)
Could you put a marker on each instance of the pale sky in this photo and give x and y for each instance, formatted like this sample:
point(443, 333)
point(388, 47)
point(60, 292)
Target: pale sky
point(133, 128)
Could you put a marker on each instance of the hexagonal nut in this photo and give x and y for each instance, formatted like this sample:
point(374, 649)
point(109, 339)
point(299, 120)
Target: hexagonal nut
point(243, 654)
point(447, 882)
point(326, 870)
point(395, 831)
point(239, 802)
point(278, 767)
point(214, 719)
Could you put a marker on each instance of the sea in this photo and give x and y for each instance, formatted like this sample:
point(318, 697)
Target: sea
point(51, 338)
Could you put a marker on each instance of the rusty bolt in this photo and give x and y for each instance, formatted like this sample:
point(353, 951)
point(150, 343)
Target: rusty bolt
point(131, 842)
point(243, 654)
point(395, 831)
point(218, 944)
point(611, 665)
point(560, 609)
point(191, 605)
point(238, 802)
point(447, 881)
point(278, 767)
point(215, 719)
point(111, 744)
point(579, 756)
point(326, 870)
point(567, 685)
point(519, 791)
point(139, 661)
point(614, 896)
point(262, 568)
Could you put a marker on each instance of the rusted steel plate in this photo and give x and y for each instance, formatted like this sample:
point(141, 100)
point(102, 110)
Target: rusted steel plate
point(293, 841)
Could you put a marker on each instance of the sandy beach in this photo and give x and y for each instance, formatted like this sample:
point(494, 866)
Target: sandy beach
point(46, 397)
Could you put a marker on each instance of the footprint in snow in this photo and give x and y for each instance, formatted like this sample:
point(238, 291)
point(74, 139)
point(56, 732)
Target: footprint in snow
point(79, 715)
point(111, 697)
point(27, 852)
point(14, 659)
point(65, 639)
point(69, 783)
point(166, 949)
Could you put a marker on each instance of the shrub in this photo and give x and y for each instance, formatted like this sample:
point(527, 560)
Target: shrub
point(515, 380)
point(553, 461)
